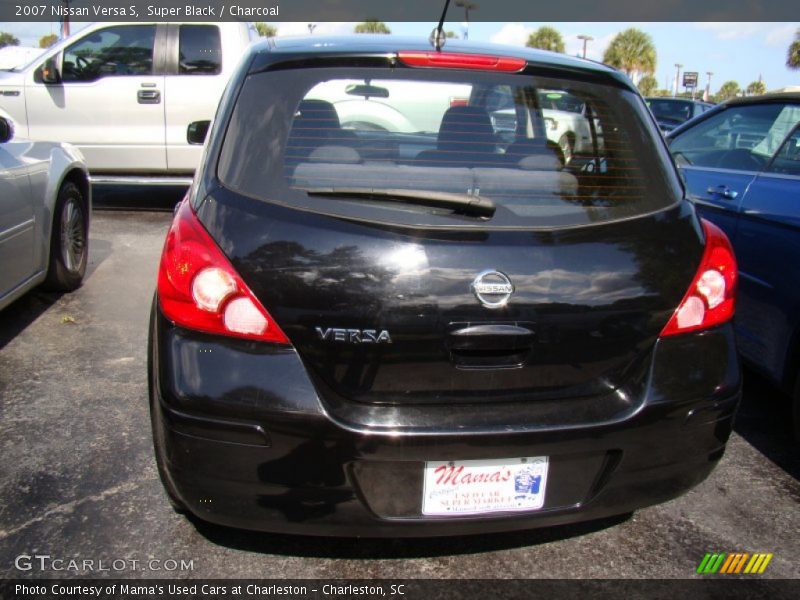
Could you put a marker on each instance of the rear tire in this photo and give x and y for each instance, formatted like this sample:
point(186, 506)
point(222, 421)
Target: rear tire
point(69, 241)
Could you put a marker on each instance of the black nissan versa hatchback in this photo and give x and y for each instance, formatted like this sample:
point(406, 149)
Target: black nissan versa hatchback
point(390, 306)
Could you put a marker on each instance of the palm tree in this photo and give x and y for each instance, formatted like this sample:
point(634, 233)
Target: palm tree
point(729, 89)
point(372, 26)
point(48, 40)
point(793, 55)
point(756, 88)
point(7, 39)
point(266, 30)
point(632, 51)
point(546, 38)
point(648, 85)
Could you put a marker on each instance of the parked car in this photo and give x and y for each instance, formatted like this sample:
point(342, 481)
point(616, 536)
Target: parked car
point(671, 112)
point(45, 205)
point(125, 93)
point(387, 333)
point(741, 163)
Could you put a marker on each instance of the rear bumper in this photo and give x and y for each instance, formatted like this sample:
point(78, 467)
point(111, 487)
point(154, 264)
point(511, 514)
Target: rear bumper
point(249, 443)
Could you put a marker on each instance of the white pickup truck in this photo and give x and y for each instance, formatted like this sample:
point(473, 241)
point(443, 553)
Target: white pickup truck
point(125, 94)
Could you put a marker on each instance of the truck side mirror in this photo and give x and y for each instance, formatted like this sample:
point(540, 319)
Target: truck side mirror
point(6, 130)
point(48, 72)
point(197, 131)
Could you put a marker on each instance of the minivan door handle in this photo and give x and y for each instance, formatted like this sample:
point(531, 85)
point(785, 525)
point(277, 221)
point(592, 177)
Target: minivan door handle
point(724, 191)
point(148, 96)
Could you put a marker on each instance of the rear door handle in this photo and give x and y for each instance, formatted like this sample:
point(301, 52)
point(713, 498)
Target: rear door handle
point(724, 191)
point(489, 345)
point(148, 96)
point(493, 336)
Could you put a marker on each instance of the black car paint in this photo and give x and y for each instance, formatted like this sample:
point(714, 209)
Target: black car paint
point(332, 439)
point(269, 453)
point(578, 348)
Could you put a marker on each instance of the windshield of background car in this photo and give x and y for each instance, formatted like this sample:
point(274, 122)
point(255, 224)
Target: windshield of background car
point(371, 138)
point(670, 110)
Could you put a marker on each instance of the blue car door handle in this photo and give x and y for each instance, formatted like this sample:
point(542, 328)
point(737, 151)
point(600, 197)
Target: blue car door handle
point(724, 191)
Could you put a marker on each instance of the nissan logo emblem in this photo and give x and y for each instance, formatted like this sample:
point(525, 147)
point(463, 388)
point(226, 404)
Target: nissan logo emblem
point(492, 288)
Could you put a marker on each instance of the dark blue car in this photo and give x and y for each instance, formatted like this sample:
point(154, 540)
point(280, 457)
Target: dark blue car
point(741, 163)
point(673, 112)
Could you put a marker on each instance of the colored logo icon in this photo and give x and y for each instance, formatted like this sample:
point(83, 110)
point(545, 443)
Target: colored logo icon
point(734, 563)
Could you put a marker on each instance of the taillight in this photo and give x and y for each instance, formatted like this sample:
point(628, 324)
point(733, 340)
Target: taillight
point(712, 296)
point(199, 289)
point(452, 60)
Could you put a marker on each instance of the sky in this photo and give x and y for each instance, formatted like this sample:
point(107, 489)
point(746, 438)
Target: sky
point(739, 51)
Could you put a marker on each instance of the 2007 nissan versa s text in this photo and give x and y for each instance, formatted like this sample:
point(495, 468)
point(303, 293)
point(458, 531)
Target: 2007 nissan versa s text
point(390, 305)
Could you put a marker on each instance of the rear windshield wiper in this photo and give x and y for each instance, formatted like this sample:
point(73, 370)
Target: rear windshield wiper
point(461, 203)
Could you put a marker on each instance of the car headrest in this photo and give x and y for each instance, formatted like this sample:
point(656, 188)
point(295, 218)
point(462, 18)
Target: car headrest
point(466, 129)
point(335, 154)
point(317, 115)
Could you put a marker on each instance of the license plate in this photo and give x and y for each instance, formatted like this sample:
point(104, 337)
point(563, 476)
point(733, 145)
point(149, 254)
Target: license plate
point(474, 487)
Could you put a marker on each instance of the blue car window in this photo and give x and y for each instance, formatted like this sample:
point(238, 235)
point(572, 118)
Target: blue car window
point(787, 120)
point(736, 138)
point(787, 160)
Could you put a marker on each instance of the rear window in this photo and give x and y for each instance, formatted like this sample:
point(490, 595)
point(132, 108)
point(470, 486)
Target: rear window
point(416, 145)
point(200, 50)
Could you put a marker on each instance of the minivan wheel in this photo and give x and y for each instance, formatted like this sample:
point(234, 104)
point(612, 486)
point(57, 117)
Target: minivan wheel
point(69, 241)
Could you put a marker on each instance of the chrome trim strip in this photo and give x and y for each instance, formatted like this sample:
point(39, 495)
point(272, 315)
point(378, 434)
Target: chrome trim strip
point(139, 180)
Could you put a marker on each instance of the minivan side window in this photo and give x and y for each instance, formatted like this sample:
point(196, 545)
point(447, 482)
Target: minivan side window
point(200, 50)
point(112, 52)
point(787, 160)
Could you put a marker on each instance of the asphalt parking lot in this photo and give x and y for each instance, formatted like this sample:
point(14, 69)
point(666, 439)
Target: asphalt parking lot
point(79, 481)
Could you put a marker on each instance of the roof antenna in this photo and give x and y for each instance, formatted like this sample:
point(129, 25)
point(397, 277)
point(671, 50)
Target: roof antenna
point(438, 37)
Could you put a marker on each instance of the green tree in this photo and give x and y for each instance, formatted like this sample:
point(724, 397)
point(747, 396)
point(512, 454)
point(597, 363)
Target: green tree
point(648, 85)
point(372, 26)
point(266, 30)
point(546, 38)
point(793, 54)
point(756, 88)
point(632, 51)
point(48, 40)
point(6, 39)
point(729, 89)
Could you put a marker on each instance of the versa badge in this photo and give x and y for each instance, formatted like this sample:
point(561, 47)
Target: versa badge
point(354, 336)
